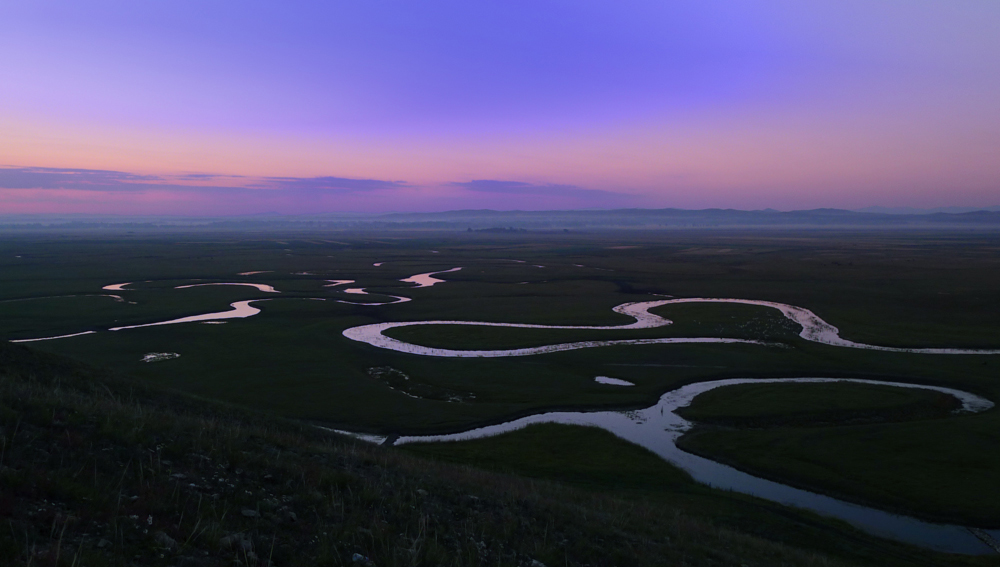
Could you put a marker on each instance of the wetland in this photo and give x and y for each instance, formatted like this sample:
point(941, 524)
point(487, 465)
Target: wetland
point(913, 317)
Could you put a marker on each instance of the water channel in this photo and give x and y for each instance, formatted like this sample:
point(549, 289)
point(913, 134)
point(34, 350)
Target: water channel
point(657, 428)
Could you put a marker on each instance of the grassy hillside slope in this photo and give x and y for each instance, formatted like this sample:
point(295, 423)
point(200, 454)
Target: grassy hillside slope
point(97, 472)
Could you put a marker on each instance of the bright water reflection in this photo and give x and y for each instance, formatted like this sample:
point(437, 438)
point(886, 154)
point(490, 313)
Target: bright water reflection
point(612, 381)
point(259, 286)
point(425, 280)
point(657, 428)
point(813, 329)
point(240, 310)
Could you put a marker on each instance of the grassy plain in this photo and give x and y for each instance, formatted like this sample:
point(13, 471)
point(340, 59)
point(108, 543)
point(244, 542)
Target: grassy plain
point(596, 461)
point(688, 320)
point(903, 452)
point(769, 405)
point(888, 288)
point(100, 471)
point(96, 471)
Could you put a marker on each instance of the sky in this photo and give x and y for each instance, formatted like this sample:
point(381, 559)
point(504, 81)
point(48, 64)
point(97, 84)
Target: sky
point(300, 107)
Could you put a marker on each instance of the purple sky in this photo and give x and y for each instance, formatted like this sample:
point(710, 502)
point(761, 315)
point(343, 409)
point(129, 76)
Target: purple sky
point(204, 107)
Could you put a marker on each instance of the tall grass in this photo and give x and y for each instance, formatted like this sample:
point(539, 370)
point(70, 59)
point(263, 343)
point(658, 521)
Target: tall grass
point(95, 472)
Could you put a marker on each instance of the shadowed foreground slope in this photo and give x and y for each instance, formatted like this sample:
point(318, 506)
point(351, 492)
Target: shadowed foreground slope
point(95, 472)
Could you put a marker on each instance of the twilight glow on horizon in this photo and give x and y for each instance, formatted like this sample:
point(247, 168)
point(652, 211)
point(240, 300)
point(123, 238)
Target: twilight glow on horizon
point(212, 107)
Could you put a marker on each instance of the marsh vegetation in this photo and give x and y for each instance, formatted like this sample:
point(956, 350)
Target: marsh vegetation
point(892, 450)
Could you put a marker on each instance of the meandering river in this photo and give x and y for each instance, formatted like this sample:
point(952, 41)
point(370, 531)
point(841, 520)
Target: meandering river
point(658, 427)
point(425, 280)
point(814, 329)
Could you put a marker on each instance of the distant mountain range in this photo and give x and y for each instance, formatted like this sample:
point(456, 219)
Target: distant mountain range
point(915, 211)
point(683, 218)
point(517, 221)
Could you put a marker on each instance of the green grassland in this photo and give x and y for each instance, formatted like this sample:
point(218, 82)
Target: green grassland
point(921, 461)
point(769, 405)
point(95, 471)
point(596, 461)
point(99, 471)
point(889, 288)
point(688, 320)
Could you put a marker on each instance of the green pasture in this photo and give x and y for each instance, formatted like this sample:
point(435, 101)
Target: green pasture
point(896, 289)
point(804, 404)
point(595, 460)
point(924, 461)
point(688, 320)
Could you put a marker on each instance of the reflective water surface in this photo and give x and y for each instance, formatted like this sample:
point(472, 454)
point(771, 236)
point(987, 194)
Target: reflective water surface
point(425, 280)
point(240, 309)
point(813, 329)
point(612, 381)
point(260, 286)
point(657, 428)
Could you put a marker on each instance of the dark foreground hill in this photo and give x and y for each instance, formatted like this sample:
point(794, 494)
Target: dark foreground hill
point(96, 472)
